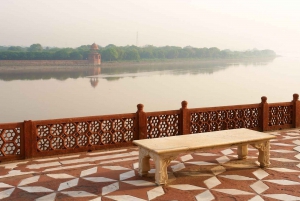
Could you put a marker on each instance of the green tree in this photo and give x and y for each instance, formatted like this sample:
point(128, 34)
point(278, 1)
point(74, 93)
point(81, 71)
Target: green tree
point(110, 54)
point(35, 48)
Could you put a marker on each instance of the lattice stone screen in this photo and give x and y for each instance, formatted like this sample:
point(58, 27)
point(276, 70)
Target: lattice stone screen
point(84, 134)
point(280, 115)
point(10, 141)
point(162, 125)
point(224, 119)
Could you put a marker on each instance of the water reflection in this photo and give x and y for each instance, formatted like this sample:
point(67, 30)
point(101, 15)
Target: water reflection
point(130, 70)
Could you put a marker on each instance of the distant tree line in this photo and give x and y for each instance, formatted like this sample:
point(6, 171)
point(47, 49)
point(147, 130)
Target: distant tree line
point(120, 53)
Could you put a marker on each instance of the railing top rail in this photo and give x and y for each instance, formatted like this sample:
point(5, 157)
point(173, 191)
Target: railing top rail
point(281, 104)
point(88, 118)
point(230, 107)
point(10, 125)
point(163, 112)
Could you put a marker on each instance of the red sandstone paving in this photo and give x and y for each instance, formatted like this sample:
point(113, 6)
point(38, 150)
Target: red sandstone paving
point(188, 175)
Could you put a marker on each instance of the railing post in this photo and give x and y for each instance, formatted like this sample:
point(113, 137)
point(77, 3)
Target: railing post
point(296, 111)
point(28, 139)
point(264, 114)
point(141, 122)
point(185, 120)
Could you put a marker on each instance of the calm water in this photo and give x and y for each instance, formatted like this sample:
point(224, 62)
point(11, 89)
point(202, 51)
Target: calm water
point(40, 96)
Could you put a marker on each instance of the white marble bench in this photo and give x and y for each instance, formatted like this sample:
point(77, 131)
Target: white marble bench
point(164, 150)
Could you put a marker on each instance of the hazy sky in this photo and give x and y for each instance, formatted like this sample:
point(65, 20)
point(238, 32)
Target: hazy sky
point(226, 24)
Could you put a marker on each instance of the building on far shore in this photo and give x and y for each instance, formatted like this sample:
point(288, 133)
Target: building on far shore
point(94, 57)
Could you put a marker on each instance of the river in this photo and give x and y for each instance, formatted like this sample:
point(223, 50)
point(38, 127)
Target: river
point(101, 91)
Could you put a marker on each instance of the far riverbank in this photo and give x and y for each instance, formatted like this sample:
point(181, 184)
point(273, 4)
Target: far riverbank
point(12, 66)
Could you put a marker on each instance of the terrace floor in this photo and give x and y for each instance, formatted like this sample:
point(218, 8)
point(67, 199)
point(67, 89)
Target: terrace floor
point(112, 175)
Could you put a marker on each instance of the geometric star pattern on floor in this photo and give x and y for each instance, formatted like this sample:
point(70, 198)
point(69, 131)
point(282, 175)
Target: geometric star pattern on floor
point(202, 176)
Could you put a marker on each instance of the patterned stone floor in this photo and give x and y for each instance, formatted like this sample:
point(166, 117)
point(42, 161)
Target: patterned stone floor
point(112, 175)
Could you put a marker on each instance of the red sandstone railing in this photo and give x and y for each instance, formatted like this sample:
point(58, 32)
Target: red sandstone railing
point(30, 139)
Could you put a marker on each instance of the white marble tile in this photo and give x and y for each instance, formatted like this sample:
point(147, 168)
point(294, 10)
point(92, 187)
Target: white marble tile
point(177, 167)
point(80, 160)
point(282, 144)
point(155, 192)
point(60, 176)
point(140, 183)
point(3, 185)
point(205, 196)
point(260, 174)
point(201, 163)
point(233, 191)
point(12, 165)
point(135, 165)
point(223, 159)
point(13, 173)
point(256, 198)
point(212, 182)
point(67, 167)
point(120, 160)
point(110, 188)
point(68, 184)
point(50, 197)
point(259, 187)
point(96, 199)
point(206, 154)
point(227, 151)
point(106, 152)
point(152, 171)
point(298, 165)
point(297, 156)
point(65, 157)
point(46, 159)
point(186, 187)
point(124, 198)
point(127, 154)
point(286, 160)
point(115, 168)
point(237, 177)
point(218, 170)
point(42, 165)
point(99, 179)
point(35, 189)
point(6, 193)
point(297, 148)
point(290, 138)
point(186, 157)
point(292, 134)
point(282, 151)
point(127, 175)
point(283, 170)
point(29, 180)
point(284, 197)
point(283, 182)
point(88, 172)
point(78, 194)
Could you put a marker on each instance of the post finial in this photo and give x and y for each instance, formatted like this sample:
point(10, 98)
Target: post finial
point(263, 99)
point(295, 97)
point(140, 107)
point(184, 104)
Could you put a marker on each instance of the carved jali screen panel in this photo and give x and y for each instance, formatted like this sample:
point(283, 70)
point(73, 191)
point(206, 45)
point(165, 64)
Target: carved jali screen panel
point(224, 119)
point(84, 134)
point(10, 141)
point(280, 115)
point(162, 125)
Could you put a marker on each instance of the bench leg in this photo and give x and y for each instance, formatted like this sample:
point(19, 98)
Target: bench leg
point(161, 165)
point(144, 161)
point(242, 151)
point(264, 153)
